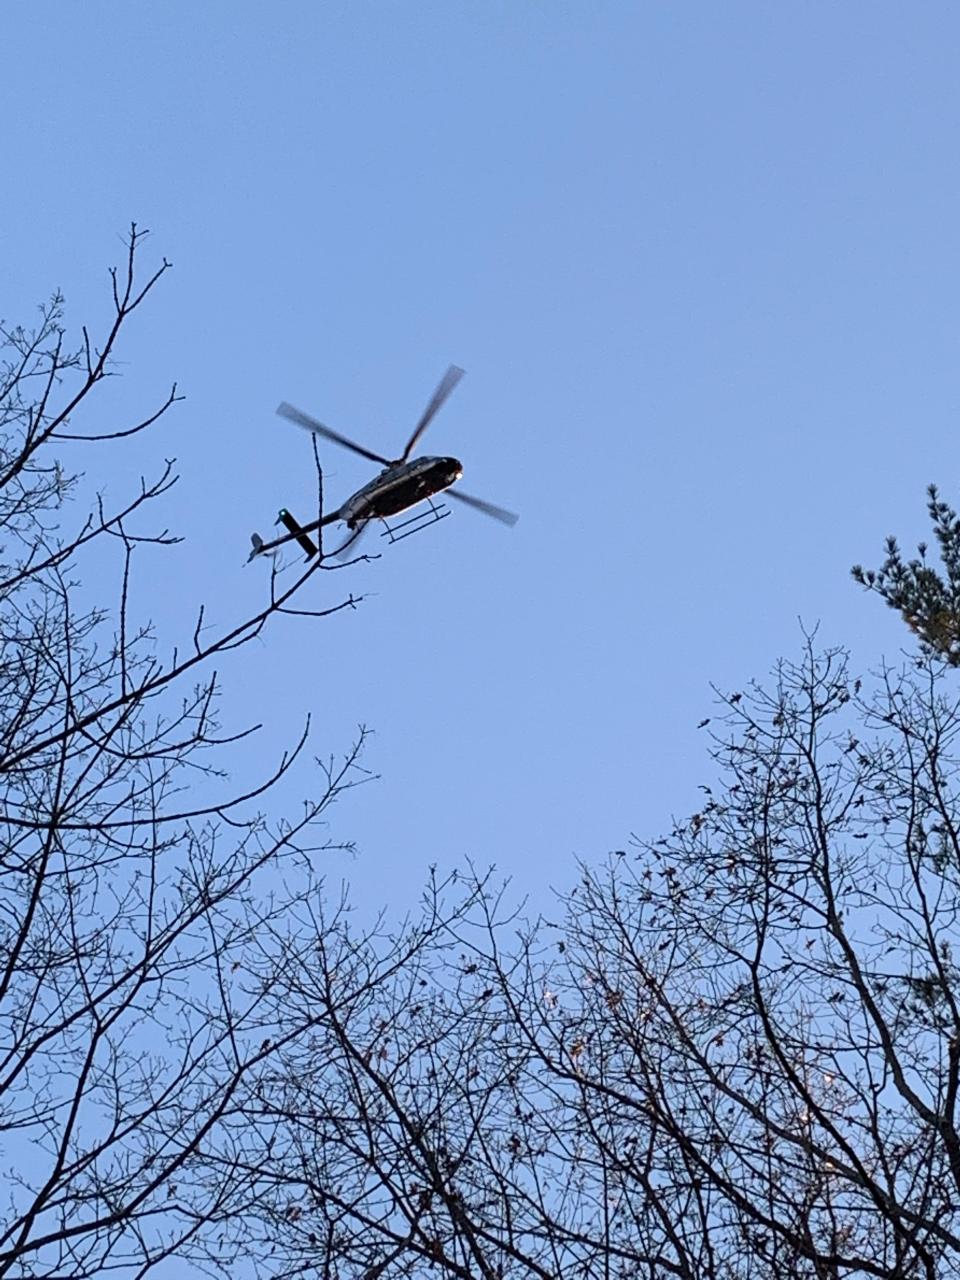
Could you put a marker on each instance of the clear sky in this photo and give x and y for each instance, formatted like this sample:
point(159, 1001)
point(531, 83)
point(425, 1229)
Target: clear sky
point(700, 263)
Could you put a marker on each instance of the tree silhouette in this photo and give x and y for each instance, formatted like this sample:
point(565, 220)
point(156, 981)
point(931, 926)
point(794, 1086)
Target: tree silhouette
point(132, 910)
point(928, 602)
point(735, 1051)
point(732, 1053)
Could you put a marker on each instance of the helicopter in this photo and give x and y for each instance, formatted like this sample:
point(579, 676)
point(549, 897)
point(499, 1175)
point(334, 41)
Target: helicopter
point(403, 483)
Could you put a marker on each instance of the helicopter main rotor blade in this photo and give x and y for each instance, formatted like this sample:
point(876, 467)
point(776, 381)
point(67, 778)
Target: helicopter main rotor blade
point(349, 547)
point(311, 424)
point(488, 509)
point(447, 384)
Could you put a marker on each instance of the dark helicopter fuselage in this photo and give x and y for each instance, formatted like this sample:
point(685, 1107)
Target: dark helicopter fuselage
point(398, 487)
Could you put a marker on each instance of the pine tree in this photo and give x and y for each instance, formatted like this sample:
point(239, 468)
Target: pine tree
point(928, 601)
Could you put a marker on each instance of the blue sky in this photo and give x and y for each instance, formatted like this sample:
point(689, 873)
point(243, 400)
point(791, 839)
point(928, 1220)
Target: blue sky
point(700, 263)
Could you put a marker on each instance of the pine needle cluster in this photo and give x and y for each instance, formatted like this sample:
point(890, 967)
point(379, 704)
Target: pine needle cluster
point(928, 601)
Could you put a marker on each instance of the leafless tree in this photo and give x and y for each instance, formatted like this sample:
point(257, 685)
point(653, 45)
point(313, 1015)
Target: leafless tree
point(734, 1053)
point(132, 904)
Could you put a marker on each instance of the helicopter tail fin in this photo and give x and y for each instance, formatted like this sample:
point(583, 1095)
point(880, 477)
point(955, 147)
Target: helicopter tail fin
point(304, 539)
point(257, 542)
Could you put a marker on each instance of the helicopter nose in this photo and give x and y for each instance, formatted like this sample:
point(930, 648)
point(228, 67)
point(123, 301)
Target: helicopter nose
point(454, 469)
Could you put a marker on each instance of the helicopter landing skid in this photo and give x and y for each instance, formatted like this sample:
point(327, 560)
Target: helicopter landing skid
point(434, 513)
